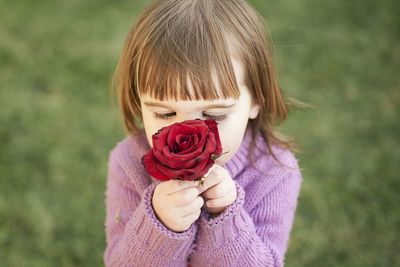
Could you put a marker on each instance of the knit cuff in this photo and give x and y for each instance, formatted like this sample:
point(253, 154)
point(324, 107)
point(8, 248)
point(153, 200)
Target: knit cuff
point(157, 238)
point(218, 231)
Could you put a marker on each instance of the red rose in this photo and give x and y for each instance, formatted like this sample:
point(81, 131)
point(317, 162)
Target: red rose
point(184, 150)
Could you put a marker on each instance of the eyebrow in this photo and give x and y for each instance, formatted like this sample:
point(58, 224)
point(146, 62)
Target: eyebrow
point(154, 104)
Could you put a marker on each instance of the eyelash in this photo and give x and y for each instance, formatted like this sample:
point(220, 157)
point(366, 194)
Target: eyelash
point(167, 116)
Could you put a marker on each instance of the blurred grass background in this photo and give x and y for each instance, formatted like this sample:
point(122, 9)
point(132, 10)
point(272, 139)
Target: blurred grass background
point(58, 124)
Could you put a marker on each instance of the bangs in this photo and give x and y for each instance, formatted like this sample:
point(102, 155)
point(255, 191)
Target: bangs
point(184, 57)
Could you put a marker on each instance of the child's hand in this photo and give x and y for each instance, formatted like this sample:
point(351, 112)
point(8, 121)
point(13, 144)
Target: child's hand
point(177, 204)
point(219, 190)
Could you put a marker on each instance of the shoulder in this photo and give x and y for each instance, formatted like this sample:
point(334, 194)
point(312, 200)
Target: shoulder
point(279, 158)
point(274, 165)
point(130, 148)
point(125, 160)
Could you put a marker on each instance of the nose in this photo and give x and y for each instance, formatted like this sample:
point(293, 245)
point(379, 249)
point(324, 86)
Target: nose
point(186, 117)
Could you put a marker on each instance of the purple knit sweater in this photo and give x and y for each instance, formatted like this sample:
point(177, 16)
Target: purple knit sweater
point(253, 231)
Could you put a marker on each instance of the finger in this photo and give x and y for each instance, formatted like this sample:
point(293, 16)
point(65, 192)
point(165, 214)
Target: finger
point(195, 205)
point(189, 219)
point(224, 201)
point(215, 176)
point(198, 182)
point(211, 169)
point(173, 186)
point(184, 197)
point(218, 190)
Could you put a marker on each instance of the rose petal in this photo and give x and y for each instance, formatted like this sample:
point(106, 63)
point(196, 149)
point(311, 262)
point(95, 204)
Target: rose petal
point(212, 124)
point(197, 161)
point(149, 162)
point(169, 156)
point(193, 147)
point(169, 172)
point(211, 145)
point(183, 142)
point(159, 138)
point(179, 129)
point(186, 174)
point(183, 150)
point(171, 162)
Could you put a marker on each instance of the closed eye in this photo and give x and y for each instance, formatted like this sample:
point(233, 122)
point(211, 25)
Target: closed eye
point(215, 117)
point(166, 116)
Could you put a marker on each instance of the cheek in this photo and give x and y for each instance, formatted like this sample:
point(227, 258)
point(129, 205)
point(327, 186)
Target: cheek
point(149, 135)
point(151, 126)
point(231, 142)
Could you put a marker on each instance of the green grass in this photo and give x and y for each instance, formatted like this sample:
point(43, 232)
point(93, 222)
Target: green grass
point(58, 124)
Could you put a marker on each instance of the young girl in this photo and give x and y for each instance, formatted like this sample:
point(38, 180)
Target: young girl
point(208, 59)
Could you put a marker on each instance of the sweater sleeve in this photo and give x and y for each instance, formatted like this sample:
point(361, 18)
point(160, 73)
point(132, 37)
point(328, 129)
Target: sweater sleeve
point(134, 234)
point(256, 238)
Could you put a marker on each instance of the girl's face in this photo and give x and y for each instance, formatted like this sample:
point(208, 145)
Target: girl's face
point(231, 114)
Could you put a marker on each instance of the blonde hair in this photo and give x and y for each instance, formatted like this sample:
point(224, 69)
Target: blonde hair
point(176, 39)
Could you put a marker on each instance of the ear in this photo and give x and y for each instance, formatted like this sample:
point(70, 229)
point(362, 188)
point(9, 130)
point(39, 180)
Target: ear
point(255, 109)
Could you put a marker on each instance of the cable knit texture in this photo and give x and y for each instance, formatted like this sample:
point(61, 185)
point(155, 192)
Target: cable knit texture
point(253, 231)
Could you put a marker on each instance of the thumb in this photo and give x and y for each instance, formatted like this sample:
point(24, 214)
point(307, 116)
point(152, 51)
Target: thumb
point(207, 183)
